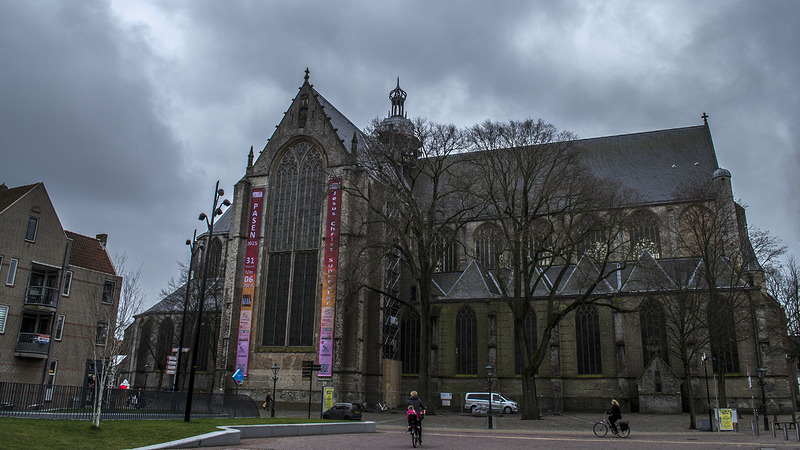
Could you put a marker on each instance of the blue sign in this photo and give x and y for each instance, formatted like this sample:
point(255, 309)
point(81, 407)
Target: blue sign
point(238, 376)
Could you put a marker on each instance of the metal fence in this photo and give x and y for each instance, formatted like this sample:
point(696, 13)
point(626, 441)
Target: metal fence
point(75, 402)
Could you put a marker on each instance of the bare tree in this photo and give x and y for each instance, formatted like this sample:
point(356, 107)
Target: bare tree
point(414, 197)
point(551, 215)
point(709, 228)
point(118, 319)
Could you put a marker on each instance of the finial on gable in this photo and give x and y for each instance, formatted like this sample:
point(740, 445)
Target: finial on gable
point(306, 77)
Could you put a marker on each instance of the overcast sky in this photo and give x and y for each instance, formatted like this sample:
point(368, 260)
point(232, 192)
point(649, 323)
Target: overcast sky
point(130, 111)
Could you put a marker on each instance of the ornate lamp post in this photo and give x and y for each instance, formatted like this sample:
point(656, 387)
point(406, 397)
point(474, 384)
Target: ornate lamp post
point(705, 359)
point(215, 211)
point(761, 372)
point(275, 370)
point(194, 246)
point(490, 382)
point(146, 371)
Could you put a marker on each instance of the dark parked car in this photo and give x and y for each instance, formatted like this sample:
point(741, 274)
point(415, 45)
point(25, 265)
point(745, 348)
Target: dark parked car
point(346, 411)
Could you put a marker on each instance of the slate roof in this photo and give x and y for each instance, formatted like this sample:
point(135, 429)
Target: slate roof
point(9, 196)
point(344, 127)
point(222, 225)
point(654, 164)
point(173, 303)
point(87, 252)
point(645, 275)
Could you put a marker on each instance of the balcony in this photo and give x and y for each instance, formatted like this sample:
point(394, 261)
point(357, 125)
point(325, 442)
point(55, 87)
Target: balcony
point(32, 345)
point(41, 297)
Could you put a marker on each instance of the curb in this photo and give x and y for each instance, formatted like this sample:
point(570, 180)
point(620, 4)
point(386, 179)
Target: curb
point(233, 434)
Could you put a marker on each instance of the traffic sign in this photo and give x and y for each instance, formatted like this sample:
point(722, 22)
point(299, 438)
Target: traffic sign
point(238, 376)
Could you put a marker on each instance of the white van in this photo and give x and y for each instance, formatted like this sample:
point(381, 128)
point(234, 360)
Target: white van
point(480, 400)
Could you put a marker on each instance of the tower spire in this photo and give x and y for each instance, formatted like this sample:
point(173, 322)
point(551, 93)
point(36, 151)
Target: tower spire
point(398, 97)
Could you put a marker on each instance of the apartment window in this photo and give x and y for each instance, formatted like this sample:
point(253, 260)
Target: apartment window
point(67, 283)
point(102, 333)
point(60, 327)
point(1, 263)
point(33, 224)
point(108, 292)
point(51, 380)
point(12, 271)
point(3, 315)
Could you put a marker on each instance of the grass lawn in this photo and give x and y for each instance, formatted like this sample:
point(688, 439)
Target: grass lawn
point(113, 434)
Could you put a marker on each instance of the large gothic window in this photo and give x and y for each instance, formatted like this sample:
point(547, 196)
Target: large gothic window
point(722, 335)
point(530, 327)
point(644, 233)
point(466, 341)
point(215, 258)
point(165, 340)
point(409, 342)
point(295, 219)
point(447, 254)
point(587, 340)
point(488, 246)
point(654, 331)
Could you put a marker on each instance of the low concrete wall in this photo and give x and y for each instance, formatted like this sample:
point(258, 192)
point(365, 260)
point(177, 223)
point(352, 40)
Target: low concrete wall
point(233, 434)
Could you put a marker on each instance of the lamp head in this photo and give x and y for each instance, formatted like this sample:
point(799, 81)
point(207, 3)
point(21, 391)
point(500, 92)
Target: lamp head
point(220, 192)
point(202, 216)
point(188, 242)
point(275, 369)
point(226, 202)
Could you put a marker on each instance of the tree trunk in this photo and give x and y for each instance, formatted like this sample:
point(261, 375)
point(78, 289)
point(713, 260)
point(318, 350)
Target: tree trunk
point(687, 376)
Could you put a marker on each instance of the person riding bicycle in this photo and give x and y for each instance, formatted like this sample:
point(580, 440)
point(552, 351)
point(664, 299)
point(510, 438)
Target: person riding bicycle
point(614, 415)
point(416, 403)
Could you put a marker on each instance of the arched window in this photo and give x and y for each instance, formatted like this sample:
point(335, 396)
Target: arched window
point(145, 344)
point(530, 327)
point(644, 233)
point(204, 347)
point(488, 246)
point(592, 240)
point(654, 331)
point(540, 248)
point(697, 230)
point(722, 335)
point(165, 340)
point(409, 342)
point(295, 218)
point(466, 341)
point(215, 258)
point(447, 253)
point(587, 340)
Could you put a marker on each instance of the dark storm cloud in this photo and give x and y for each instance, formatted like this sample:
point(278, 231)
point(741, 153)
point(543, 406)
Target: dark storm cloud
point(129, 112)
point(78, 114)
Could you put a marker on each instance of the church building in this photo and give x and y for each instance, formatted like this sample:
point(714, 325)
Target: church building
point(297, 283)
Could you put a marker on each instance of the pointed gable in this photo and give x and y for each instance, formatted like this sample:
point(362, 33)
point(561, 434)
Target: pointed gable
point(9, 196)
point(474, 282)
point(582, 277)
point(647, 275)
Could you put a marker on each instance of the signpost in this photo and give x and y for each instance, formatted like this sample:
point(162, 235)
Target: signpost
point(238, 378)
point(308, 371)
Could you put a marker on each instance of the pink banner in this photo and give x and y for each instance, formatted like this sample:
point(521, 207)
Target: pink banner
point(329, 279)
point(248, 285)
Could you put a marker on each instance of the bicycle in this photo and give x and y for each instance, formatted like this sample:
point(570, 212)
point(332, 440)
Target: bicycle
point(601, 428)
point(416, 437)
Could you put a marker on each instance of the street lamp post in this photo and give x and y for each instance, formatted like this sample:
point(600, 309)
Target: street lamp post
point(490, 381)
point(705, 359)
point(761, 372)
point(146, 370)
point(215, 211)
point(275, 370)
point(194, 246)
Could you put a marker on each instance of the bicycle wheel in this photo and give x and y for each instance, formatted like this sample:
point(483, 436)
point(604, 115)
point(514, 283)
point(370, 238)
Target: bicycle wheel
point(624, 433)
point(415, 437)
point(600, 429)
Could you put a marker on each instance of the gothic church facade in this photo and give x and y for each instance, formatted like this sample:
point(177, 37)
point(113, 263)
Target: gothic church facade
point(293, 233)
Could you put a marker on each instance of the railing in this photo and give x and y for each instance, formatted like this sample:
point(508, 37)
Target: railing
point(33, 343)
point(75, 402)
point(41, 296)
